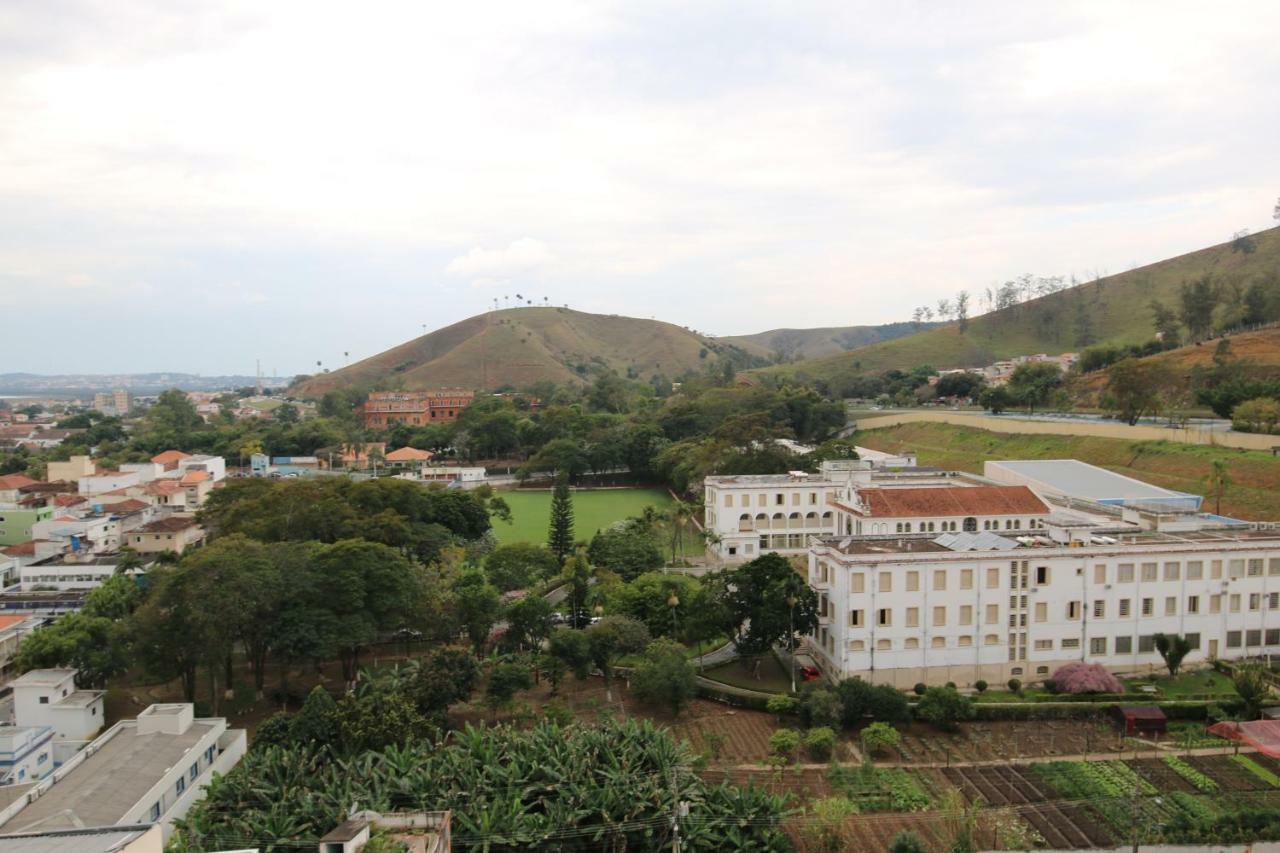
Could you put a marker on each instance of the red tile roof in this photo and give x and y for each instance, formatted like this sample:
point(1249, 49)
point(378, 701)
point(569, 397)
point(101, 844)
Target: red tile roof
point(948, 501)
point(162, 487)
point(10, 621)
point(68, 500)
point(190, 478)
point(16, 481)
point(169, 457)
point(172, 524)
point(409, 454)
point(129, 506)
point(23, 549)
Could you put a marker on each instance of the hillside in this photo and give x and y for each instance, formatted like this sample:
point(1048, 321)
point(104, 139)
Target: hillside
point(1115, 309)
point(1255, 475)
point(520, 346)
point(796, 344)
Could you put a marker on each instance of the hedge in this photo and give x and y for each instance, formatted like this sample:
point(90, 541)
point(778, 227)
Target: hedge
point(1075, 710)
point(739, 697)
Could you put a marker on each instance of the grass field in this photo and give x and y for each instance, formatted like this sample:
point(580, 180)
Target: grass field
point(1254, 493)
point(593, 509)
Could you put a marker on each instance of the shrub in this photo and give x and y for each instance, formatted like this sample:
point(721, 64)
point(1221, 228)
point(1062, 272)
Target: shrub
point(907, 841)
point(820, 743)
point(1015, 685)
point(860, 700)
point(944, 708)
point(557, 712)
point(664, 677)
point(920, 688)
point(980, 686)
point(784, 743)
point(879, 736)
point(820, 706)
point(951, 685)
point(781, 706)
point(1051, 685)
point(1081, 677)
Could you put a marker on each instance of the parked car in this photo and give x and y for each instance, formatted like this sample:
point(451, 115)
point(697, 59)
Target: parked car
point(810, 673)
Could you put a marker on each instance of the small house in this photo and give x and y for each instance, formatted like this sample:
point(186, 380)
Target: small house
point(1140, 720)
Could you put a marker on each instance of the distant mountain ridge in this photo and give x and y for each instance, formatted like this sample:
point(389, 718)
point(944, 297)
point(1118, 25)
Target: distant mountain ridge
point(799, 344)
point(64, 384)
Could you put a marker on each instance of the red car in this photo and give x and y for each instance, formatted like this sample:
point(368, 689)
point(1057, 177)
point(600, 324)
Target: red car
point(810, 673)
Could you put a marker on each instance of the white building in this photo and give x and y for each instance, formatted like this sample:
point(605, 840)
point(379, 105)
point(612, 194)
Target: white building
point(753, 514)
point(103, 481)
point(48, 697)
point(107, 839)
point(981, 583)
point(214, 466)
point(94, 534)
point(145, 771)
point(26, 754)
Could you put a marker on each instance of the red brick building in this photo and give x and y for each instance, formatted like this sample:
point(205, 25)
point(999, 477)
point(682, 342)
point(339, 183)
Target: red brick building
point(415, 408)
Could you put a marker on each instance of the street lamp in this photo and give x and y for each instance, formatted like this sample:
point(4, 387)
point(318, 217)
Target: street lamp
point(791, 636)
point(673, 602)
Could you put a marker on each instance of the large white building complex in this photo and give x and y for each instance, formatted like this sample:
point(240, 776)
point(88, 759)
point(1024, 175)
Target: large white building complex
point(1033, 566)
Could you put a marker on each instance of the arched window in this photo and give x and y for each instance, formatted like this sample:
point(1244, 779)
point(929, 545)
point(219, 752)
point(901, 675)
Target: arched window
point(810, 519)
point(971, 525)
point(762, 521)
point(744, 522)
point(793, 521)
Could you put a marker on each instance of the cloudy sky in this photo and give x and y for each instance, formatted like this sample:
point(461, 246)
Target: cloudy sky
point(187, 187)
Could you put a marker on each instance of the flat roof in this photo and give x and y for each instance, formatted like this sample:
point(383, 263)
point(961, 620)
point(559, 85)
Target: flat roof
point(106, 839)
point(1080, 479)
point(43, 676)
point(106, 785)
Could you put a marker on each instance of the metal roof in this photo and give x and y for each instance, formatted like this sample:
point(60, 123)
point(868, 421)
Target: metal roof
point(1082, 480)
point(984, 541)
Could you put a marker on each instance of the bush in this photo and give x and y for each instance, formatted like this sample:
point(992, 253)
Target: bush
point(951, 685)
point(1015, 685)
point(820, 743)
point(1051, 685)
point(879, 736)
point(820, 706)
point(944, 708)
point(557, 712)
point(784, 743)
point(860, 700)
point(907, 841)
point(980, 686)
point(664, 677)
point(781, 706)
point(1080, 677)
point(920, 688)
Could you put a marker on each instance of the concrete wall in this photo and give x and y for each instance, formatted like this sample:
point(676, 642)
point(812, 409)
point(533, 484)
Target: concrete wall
point(1191, 435)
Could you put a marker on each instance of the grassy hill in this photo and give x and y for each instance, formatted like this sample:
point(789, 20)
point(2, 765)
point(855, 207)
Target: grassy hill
point(1254, 494)
point(812, 343)
point(521, 346)
point(1115, 309)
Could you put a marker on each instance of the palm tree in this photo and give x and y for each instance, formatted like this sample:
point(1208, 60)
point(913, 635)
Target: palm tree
point(679, 516)
point(1217, 481)
point(127, 561)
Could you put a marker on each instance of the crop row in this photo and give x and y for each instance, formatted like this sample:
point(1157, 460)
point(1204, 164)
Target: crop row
point(1192, 775)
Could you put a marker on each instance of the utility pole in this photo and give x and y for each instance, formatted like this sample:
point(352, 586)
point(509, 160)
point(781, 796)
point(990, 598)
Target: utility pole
point(1133, 817)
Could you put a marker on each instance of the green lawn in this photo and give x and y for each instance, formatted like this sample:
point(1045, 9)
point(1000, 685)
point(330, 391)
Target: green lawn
point(1189, 683)
point(593, 509)
point(773, 677)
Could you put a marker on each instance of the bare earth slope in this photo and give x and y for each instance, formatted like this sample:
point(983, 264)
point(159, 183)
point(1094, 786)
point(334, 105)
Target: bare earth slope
point(829, 340)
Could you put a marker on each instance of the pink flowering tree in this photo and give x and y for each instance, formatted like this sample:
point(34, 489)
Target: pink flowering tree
point(1081, 677)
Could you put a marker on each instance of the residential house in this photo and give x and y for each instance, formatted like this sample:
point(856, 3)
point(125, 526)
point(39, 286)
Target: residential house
point(408, 457)
point(92, 534)
point(169, 459)
point(145, 771)
point(175, 533)
point(72, 470)
point(49, 697)
point(13, 628)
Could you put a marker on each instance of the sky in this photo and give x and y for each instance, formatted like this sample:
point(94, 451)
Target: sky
point(191, 186)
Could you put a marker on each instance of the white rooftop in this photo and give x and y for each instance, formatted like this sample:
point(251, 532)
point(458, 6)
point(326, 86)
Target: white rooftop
point(42, 677)
point(1073, 478)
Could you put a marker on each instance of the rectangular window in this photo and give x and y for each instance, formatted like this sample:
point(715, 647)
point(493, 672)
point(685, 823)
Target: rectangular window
point(1044, 645)
point(1233, 639)
point(1193, 604)
point(966, 614)
point(1097, 645)
point(1255, 601)
point(1124, 573)
point(1172, 571)
point(1255, 568)
point(939, 580)
point(913, 581)
point(728, 500)
point(1042, 611)
point(1148, 607)
point(857, 582)
point(884, 617)
point(886, 582)
point(1171, 605)
point(1273, 636)
point(966, 578)
point(993, 578)
point(1193, 641)
point(913, 617)
point(1124, 645)
point(966, 639)
point(182, 784)
point(1124, 607)
point(155, 812)
point(1070, 643)
point(1233, 603)
point(855, 618)
point(1073, 610)
point(1146, 644)
point(1235, 568)
point(1042, 575)
point(939, 616)
point(991, 640)
point(1195, 570)
point(1273, 566)
point(1150, 571)
point(1215, 604)
point(1099, 609)
point(993, 614)
point(1100, 573)
point(1253, 637)
point(1273, 600)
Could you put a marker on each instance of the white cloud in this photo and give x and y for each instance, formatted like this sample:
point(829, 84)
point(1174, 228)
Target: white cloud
point(518, 256)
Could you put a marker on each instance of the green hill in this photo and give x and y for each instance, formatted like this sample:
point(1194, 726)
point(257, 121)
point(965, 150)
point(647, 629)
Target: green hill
point(796, 344)
point(1114, 309)
point(521, 346)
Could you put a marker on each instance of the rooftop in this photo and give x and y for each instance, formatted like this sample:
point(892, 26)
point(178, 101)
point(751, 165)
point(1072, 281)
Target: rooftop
point(42, 677)
point(1079, 479)
point(15, 481)
point(107, 784)
point(942, 501)
point(172, 524)
point(107, 839)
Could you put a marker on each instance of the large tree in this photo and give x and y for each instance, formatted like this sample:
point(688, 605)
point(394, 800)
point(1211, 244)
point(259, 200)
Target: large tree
point(766, 602)
point(664, 677)
point(560, 534)
point(611, 638)
point(1034, 383)
point(1136, 388)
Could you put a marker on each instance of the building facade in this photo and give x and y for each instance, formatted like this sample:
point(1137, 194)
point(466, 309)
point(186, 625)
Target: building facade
point(415, 408)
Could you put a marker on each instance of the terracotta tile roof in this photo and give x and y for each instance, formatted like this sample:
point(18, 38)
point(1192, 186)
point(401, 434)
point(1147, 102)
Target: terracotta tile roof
point(16, 481)
point(172, 524)
point(130, 505)
point(162, 487)
point(10, 621)
point(190, 478)
point(409, 454)
point(948, 501)
point(69, 500)
point(169, 457)
point(23, 549)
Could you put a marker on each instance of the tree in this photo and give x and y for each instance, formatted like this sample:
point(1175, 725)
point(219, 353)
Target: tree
point(755, 597)
point(1257, 415)
point(1253, 684)
point(1136, 387)
point(819, 705)
point(445, 676)
point(678, 517)
point(611, 638)
point(1081, 677)
point(820, 743)
point(960, 385)
point(995, 399)
point(1217, 481)
point(520, 565)
point(528, 623)
point(504, 680)
point(285, 413)
point(944, 708)
point(962, 310)
point(860, 700)
point(626, 548)
point(94, 645)
point(1198, 299)
point(560, 536)
point(663, 676)
point(1033, 383)
point(573, 648)
point(377, 721)
point(478, 606)
point(317, 721)
point(1165, 320)
point(878, 736)
point(647, 599)
point(1172, 648)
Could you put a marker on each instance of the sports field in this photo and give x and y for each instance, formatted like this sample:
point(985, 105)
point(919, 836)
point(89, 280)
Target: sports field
point(592, 510)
